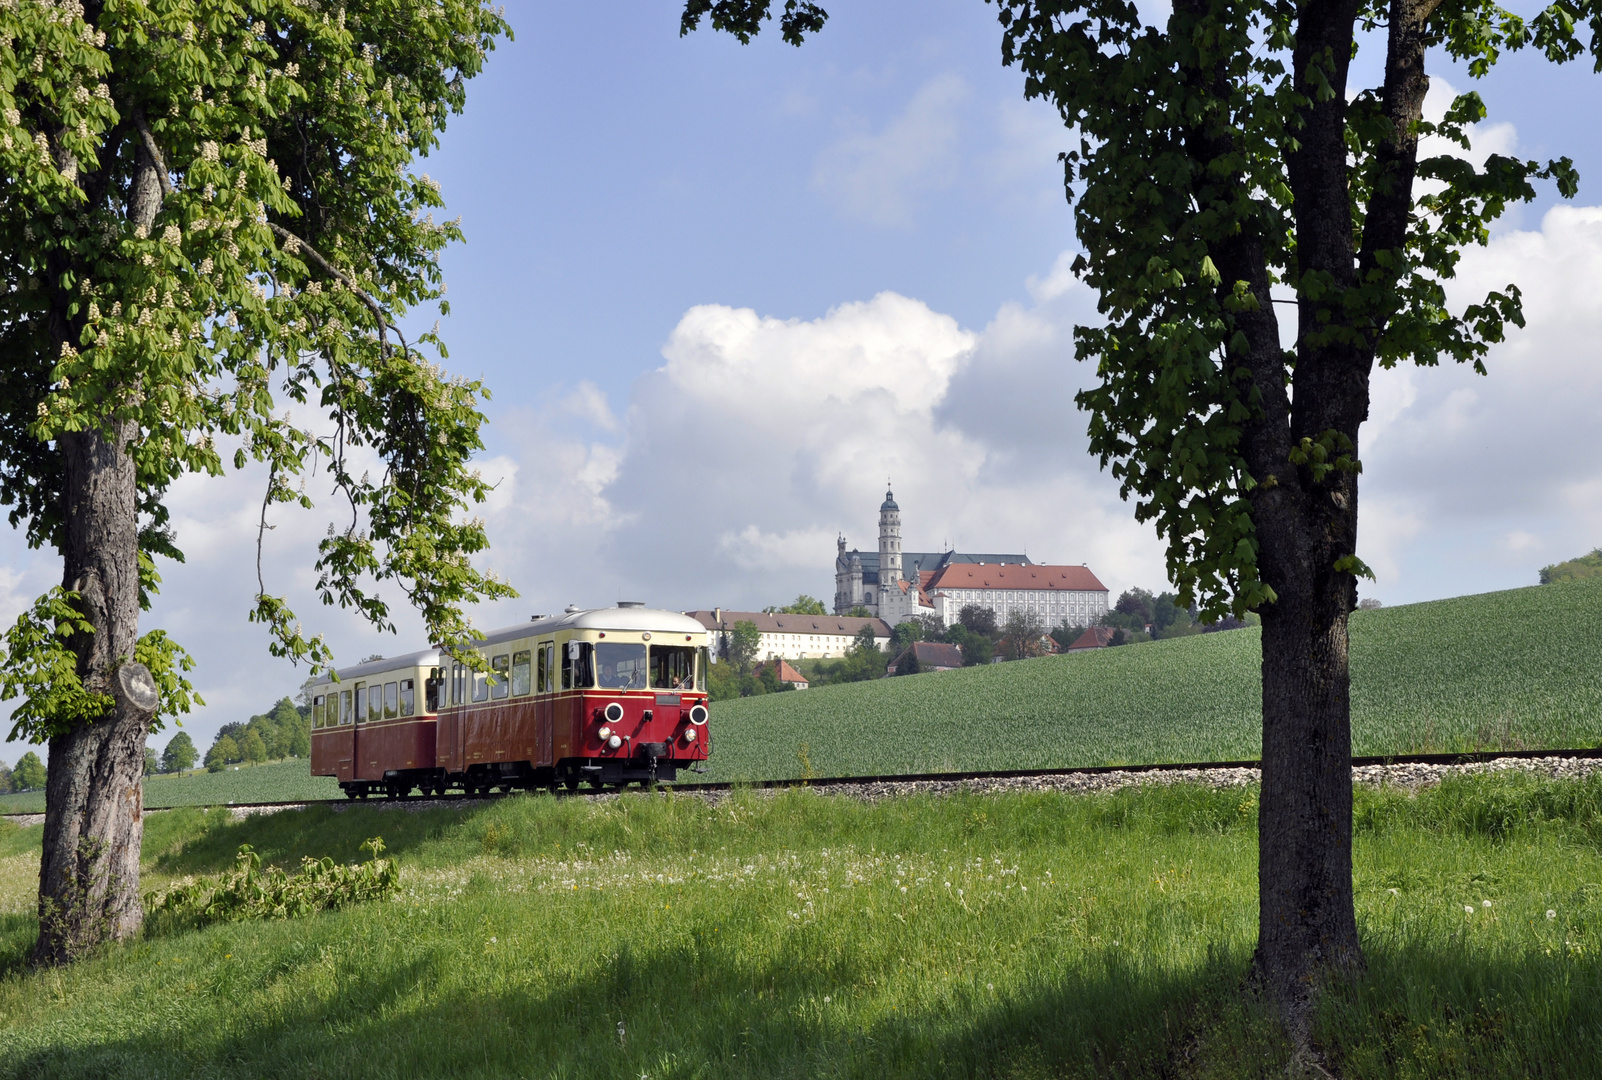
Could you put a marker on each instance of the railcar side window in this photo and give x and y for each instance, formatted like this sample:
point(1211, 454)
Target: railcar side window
point(480, 686)
point(391, 701)
point(344, 707)
point(361, 702)
point(375, 702)
point(500, 680)
point(432, 686)
point(620, 665)
point(577, 665)
point(700, 668)
point(550, 665)
point(317, 711)
point(520, 661)
point(673, 667)
point(543, 671)
point(408, 697)
point(458, 684)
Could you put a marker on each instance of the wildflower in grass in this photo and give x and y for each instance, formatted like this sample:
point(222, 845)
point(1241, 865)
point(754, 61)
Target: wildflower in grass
point(1550, 914)
point(1468, 909)
point(1485, 903)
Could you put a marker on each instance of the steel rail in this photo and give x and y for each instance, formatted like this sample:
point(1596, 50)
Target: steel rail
point(1469, 758)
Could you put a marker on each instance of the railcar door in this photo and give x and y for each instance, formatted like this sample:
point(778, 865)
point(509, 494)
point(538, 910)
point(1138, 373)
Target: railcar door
point(360, 737)
point(544, 684)
point(345, 764)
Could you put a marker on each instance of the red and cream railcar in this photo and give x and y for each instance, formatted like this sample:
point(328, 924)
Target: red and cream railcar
point(611, 696)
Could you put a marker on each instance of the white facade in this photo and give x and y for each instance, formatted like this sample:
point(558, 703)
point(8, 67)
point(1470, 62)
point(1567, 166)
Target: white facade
point(795, 637)
point(1051, 607)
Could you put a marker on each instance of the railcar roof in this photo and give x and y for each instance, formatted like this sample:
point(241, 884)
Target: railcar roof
point(656, 620)
point(422, 658)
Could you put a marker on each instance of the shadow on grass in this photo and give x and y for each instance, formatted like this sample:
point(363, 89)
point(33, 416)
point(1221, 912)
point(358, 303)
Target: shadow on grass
point(683, 1011)
point(699, 1011)
point(186, 841)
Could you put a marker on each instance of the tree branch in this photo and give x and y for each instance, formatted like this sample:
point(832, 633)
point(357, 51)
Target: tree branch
point(348, 281)
point(155, 153)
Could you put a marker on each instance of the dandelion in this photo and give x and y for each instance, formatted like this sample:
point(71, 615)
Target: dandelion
point(1485, 903)
point(990, 986)
point(1550, 914)
point(826, 999)
point(1468, 909)
point(1393, 892)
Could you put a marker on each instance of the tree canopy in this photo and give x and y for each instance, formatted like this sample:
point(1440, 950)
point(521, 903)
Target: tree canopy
point(208, 214)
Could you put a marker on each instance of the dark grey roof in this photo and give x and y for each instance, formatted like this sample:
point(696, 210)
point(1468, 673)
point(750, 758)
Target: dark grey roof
point(889, 502)
point(931, 560)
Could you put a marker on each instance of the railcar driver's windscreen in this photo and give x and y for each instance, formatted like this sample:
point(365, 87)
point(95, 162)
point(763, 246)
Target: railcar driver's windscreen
point(673, 667)
point(620, 665)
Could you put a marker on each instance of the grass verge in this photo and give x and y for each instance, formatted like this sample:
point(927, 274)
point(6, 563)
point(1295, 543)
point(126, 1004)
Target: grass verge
point(1019, 935)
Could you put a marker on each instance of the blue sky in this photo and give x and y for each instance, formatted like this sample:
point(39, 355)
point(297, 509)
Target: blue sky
point(722, 293)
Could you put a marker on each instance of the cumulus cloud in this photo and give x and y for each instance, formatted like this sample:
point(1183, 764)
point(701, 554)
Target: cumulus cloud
point(1497, 473)
point(877, 176)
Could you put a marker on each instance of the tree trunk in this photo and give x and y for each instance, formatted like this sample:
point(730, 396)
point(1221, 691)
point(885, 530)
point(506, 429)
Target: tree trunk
point(89, 871)
point(1307, 927)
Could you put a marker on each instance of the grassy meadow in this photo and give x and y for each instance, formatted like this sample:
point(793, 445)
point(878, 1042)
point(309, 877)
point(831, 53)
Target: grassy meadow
point(797, 935)
point(273, 782)
point(1511, 670)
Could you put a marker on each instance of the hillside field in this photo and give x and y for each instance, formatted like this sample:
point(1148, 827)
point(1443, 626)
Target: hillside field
point(790, 935)
point(1500, 671)
point(272, 782)
point(1520, 669)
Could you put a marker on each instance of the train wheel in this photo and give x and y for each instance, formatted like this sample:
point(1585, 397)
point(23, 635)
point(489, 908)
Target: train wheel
point(571, 781)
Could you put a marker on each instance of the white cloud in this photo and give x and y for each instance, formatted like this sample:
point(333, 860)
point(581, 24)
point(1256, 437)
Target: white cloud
point(1499, 470)
point(877, 176)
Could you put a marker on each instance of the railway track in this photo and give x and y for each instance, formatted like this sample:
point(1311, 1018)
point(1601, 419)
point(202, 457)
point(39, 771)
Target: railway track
point(942, 778)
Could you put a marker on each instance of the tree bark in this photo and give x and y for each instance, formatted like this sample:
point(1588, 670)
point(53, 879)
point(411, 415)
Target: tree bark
point(94, 796)
point(89, 870)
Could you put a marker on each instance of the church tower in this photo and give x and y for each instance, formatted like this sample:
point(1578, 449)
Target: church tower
point(889, 543)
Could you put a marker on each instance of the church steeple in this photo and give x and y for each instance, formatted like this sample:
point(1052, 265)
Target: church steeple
point(889, 542)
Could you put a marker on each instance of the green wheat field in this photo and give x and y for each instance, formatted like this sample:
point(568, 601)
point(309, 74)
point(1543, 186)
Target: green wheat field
point(1511, 670)
point(1025, 935)
point(1500, 671)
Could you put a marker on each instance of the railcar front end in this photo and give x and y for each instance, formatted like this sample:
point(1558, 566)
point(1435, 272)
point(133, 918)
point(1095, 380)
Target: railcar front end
point(609, 696)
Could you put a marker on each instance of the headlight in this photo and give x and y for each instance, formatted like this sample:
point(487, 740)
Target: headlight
point(615, 741)
point(698, 714)
point(689, 736)
point(613, 712)
point(605, 733)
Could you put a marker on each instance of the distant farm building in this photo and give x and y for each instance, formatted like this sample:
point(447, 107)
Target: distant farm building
point(795, 637)
point(923, 656)
point(781, 671)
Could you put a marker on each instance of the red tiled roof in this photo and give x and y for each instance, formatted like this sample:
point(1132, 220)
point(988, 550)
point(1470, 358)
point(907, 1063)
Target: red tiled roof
point(782, 670)
point(1013, 576)
point(931, 655)
point(1096, 637)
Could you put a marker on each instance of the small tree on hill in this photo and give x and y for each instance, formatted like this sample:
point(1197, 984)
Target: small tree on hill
point(1586, 566)
point(30, 773)
point(180, 754)
point(977, 619)
point(253, 749)
point(744, 641)
point(225, 751)
point(1020, 638)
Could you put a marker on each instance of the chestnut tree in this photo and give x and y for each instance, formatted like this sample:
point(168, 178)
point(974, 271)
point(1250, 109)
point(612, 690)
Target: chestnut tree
point(211, 227)
point(1229, 179)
